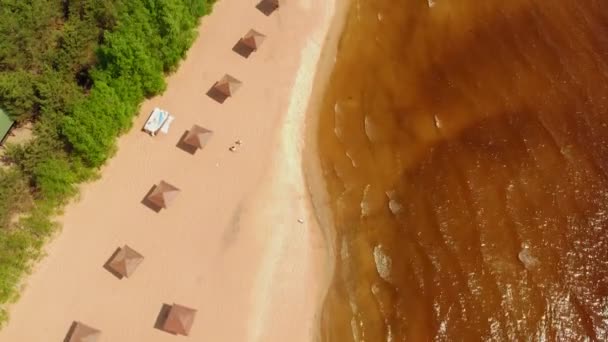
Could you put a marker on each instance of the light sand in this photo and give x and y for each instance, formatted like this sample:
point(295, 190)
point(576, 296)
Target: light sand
point(231, 245)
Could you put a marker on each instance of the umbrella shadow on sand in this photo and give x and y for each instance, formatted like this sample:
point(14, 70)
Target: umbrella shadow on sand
point(182, 145)
point(194, 139)
point(68, 337)
point(226, 87)
point(216, 95)
point(81, 332)
point(162, 318)
point(107, 266)
point(146, 201)
point(242, 49)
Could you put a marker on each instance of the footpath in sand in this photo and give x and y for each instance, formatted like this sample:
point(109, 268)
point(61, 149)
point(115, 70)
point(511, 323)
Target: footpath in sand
point(231, 245)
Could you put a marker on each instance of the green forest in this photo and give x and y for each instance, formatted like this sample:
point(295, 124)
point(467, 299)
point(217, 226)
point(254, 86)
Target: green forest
point(78, 70)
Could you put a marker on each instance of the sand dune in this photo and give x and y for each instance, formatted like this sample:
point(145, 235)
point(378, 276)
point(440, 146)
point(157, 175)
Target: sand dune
point(231, 245)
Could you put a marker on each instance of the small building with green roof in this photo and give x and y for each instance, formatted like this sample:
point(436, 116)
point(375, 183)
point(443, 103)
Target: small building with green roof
point(6, 123)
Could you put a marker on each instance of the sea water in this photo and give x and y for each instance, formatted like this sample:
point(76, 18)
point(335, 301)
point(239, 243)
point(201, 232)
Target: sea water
point(465, 148)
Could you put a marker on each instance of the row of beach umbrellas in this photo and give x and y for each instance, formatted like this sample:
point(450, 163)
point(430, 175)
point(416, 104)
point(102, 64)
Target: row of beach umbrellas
point(175, 319)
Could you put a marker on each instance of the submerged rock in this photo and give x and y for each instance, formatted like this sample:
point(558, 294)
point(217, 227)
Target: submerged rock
point(393, 203)
point(394, 206)
point(527, 259)
point(370, 129)
point(383, 263)
point(365, 207)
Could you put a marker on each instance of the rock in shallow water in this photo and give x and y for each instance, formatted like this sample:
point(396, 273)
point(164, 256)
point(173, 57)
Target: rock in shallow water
point(393, 203)
point(527, 259)
point(383, 263)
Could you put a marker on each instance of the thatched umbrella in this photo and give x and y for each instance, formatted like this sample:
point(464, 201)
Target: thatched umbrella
point(253, 39)
point(197, 137)
point(271, 3)
point(125, 261)
point(84, 333)
point(180, 319)
point(228, 85)
point(268, 6)
point(163, 195)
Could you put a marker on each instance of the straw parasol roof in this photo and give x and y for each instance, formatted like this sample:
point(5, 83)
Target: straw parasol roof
point(84, 333)
point(228, 85)
point(125, 261)
point(197, 136)
point(163, 195)
point(268, 6)
point(274, 3)
point(253, 39)
point(180, 319)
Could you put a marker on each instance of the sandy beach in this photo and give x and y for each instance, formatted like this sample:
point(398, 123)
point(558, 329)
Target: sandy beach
point(241, 243)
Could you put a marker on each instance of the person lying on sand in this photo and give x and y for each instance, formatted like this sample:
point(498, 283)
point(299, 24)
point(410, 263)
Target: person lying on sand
point(233, 148)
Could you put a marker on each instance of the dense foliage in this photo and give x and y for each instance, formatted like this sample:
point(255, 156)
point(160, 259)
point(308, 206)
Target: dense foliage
point(79, 70)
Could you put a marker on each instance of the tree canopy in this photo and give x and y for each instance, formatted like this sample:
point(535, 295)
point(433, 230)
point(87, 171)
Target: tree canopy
point(77, 69)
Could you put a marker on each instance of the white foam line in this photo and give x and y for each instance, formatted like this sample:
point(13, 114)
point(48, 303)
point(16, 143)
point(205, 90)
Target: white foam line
point(289, 175)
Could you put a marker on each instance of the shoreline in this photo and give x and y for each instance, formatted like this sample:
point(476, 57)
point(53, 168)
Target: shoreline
point(241, 257)
point(302, 121)
point(313, 173)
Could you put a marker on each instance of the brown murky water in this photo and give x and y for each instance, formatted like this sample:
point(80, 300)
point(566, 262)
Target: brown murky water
point(465, 146)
